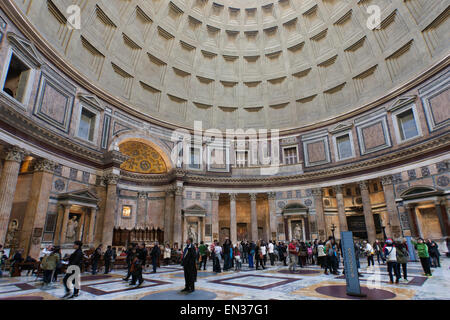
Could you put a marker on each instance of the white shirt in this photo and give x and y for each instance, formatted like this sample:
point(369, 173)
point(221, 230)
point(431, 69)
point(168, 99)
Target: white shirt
point(263, 250)
point(270, 247)
point(217, 250)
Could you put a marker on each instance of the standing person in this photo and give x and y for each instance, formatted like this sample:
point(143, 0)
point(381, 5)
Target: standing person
point(217, 257)
point(271, 253)
point(390, 252)
point(188, 263)
point(137, 258)
point(144, 255)
point(107, 257)
point(263, 252)
point(424, 256)
point(48, 264)
point(244, 252)
point(203, 253)
point(58, 268)
point(315, 252)
point(310, 254)
point(292, 256)
point(368, 250)
point(129, 254)
point(167, 254)
point(251, 254)
point(259, 255)
point(95, 259)
point(321, 255)
point(378, 248)
point(402, 258)
point(154, 255)
point(237, 258)
point(331, 250)
point(303, 253)
point(75, 259)
point(226, 252)
point(434, 254)
point(282, 251)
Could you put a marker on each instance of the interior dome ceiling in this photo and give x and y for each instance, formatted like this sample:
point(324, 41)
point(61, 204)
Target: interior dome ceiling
point(246, 63)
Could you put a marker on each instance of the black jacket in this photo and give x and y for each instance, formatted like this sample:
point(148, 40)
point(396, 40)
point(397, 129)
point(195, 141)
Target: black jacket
point(76, 258)
point(189, 257)
point(156, 252)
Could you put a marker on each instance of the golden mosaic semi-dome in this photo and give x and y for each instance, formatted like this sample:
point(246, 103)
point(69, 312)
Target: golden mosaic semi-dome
point(245, 63)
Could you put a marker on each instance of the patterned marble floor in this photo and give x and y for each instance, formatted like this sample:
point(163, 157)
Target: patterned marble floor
point(274, 283)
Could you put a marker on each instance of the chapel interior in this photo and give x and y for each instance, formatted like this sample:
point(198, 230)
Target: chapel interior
point(110, 111)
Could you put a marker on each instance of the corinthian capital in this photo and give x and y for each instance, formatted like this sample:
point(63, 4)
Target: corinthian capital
point(317, 192)
point(363, 185)
point(253, 196)
point(15, 153)
point(272, 195)
point(387, 180)
point(111, 178)
point(337, 189)
point(233, 196)
point(179, 191)
point(142, 195)
point(214, 196)
point(45, 165)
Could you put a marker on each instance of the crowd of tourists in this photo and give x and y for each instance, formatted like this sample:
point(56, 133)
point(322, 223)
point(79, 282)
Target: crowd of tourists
point(230, 256)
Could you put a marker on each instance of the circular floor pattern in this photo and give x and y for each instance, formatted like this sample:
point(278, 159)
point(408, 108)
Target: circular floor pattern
point(301, 271)
point(340, 291)
point(177, 295)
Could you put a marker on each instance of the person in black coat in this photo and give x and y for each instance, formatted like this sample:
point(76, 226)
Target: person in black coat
point(75, 259)
point(154, 254)
point(96, 258)
point(128, 260)
point(190, 269)
point(138, 258)
point(108, 256)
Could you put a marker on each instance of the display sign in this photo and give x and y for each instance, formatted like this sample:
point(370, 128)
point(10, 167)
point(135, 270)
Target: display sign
point(351, 268)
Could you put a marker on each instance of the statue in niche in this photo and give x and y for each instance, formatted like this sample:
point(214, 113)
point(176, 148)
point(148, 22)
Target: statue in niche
point(298, 232)
point(192, 231)
point(12, 233)
point(72, 226)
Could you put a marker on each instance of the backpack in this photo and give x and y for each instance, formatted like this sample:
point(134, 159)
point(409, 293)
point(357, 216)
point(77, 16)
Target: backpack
point(44, 262)
point(310, 251)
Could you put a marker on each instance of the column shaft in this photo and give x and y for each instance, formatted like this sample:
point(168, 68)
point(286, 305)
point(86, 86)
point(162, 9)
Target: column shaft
point(272, 216)
point(92, 225)
point(215, 216)
point(320, 214)
point(391, 207)
point(367, 208)
point(254, 217)
point(341, 209)
point(177, 223)
point(168, 216)
point(8, 183)
point(111, 181)
point(233, 222)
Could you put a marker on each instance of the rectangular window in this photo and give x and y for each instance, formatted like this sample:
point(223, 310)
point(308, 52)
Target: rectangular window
point(241, 159)
point(290, 155)
point(86, 128)
point(195, 158)
point(344, 147)
point(407, 125)
point(16, 79)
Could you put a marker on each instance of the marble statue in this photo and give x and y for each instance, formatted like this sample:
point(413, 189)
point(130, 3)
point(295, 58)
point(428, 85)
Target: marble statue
point(191, 232)
point(297, 232)
point(72, 229)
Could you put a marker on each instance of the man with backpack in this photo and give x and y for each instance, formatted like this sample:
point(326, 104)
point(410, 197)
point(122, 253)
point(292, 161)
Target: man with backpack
point(108, 256)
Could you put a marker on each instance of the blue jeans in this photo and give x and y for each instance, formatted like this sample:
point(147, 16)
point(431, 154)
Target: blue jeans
point(393, 266)
point(250, 261)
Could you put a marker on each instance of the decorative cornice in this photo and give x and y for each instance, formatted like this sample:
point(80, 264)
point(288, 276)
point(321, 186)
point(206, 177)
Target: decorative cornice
point(114, 157)
point(15, 153)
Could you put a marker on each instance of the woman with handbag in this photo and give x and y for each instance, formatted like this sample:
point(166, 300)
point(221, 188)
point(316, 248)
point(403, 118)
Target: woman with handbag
point(259, 256)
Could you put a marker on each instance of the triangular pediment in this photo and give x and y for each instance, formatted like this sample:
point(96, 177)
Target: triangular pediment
point(195, 210)
point(401, 101)
point(26, 48)
point(91, 100)
point(80, 196)
point(341, 127)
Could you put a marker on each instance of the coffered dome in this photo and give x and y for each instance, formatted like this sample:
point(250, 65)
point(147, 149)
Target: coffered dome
point(245, 63)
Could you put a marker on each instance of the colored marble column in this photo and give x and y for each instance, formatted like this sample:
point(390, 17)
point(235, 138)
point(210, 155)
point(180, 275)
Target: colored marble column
point(141, 210)
point(215, 215)
point(341, 209)
point(272, 216)
point(168, 215)
point(111, 180)
point(92, 215)
point(253, 217)
point(64, 220)
point(8, 182)
point(367, 208)
point(233, 222)
point(177, 223)
point(395, 230)
point(36, 212)
point(320, 213)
